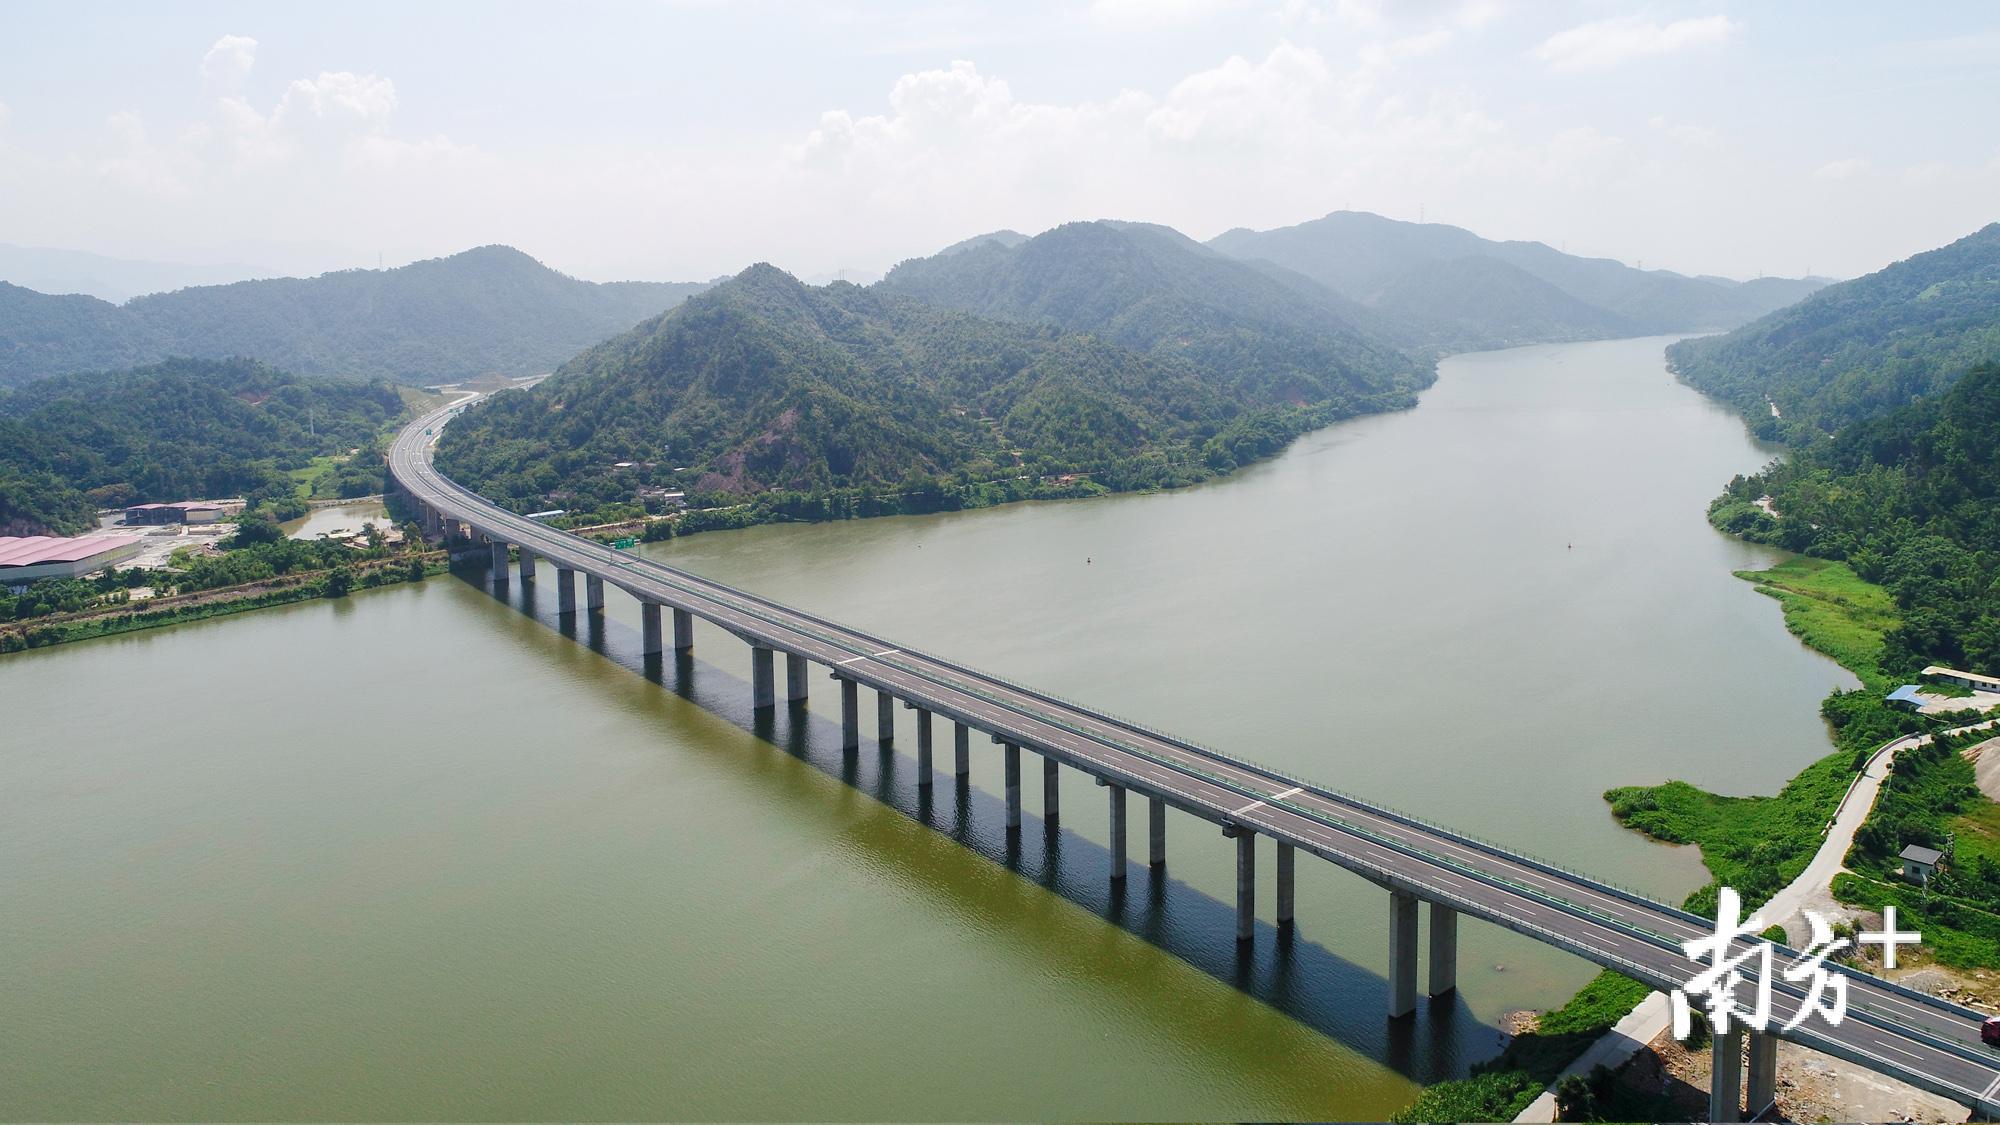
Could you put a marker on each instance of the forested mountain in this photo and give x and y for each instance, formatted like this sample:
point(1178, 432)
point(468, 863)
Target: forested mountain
point(1860, 348)
point(489, 310)
point(1912, 500)
point(763, 383)
point(1269, 339)
point(183, 429)
point(1008, 239)
point(1370, 259)
point(1484, 301)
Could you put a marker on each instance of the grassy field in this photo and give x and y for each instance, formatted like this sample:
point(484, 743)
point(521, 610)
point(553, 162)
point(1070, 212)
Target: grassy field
point(1755, 844)
point(1832, 610)
point(1977, 833)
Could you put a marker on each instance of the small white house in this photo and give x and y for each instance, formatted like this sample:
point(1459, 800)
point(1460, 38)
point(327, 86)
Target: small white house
point(1920, 863)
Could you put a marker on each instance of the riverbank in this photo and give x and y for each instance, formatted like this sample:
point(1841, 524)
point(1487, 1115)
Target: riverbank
point(1759, 845)
point(128, 617)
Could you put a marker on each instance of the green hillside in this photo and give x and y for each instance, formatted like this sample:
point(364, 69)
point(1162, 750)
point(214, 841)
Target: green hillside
point(485, 311)
point(763, 386)
point(1911, 500)
point(179, 430)
point(1153, 290)
point(1860, 348)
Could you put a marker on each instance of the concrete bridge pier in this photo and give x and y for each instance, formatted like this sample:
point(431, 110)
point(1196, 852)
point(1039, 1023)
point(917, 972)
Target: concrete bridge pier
point(1402, 954)
point(1012, 758)
point(1117, 793)
point(1246, 882)
point(885, 718)
point(961, 750)
point(850, 713)
point(1156, 830)
point(1286, 862)
point(1444, 949)
point(683, 630)
point(763, 693)
point(1051, 792)
point(1725, 1083)
point(499, 548)
point(649, 619)
point(923, 748)
point(795, 678)
point(565, 591)
point(1761, 1085)
point(528, 567)
point(593, 593)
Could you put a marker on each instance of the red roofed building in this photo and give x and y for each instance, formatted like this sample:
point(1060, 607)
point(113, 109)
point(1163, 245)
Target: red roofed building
point(29, 558)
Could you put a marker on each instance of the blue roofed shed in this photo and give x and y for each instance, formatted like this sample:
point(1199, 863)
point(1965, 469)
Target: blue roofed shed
point(1906, 697)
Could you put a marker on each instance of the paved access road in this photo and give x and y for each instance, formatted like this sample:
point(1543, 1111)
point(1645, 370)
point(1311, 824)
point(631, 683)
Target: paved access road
point(1921, 1040)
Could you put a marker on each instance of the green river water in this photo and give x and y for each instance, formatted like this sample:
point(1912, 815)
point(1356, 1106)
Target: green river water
point(419, 855)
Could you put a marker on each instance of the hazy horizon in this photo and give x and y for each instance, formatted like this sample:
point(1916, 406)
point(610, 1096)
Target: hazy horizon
point(685, 140)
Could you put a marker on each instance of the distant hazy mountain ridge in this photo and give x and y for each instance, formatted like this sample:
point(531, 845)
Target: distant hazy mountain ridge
point(1450, 288)
point(489, 310)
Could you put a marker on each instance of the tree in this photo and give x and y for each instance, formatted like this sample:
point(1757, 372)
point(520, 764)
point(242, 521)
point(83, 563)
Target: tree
point(339, 582)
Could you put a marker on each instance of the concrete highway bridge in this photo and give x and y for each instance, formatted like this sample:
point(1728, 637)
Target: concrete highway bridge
point(1893, 1030)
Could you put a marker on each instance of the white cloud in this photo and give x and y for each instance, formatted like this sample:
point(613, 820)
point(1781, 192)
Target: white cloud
point(1841, 169)
point(1607, 43)
point(1694, 136)
point(342, 95)
point(227, 63)
point(1241, 101)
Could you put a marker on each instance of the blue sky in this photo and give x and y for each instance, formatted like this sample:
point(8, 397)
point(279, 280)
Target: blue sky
point(688, 139)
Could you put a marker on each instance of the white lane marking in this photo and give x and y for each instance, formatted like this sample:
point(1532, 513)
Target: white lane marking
point(1991, 1086)
point(1247, 808)
point(865, 655)
point(1288, 792)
